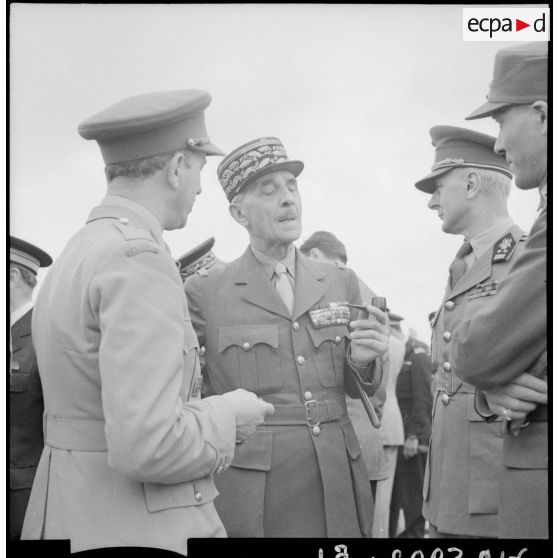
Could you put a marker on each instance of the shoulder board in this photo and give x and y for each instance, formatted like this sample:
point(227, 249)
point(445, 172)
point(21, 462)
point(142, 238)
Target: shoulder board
point(132, 233)
point(419, 351)
point(503, 248)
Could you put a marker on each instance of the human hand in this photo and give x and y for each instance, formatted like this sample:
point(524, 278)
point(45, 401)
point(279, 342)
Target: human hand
point(410, 448)
point(250, 411)
point(518, 398)
point(369, 338)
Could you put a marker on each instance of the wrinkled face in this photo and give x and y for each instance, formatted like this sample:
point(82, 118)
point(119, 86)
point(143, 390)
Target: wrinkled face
point(272, 209)
point(189, 187)
point(522, 140)
point(450, 201)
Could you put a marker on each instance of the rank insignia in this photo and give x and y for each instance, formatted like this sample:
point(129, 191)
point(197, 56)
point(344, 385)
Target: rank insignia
point(483, 289)
point(334, 313)
point(135, 250)
point(195, 391)
point(503, 249)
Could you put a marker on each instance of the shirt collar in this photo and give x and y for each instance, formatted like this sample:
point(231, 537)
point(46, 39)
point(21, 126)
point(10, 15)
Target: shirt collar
point(20, 312)
point(269, 263)
point(486, 239)
point(150, 220)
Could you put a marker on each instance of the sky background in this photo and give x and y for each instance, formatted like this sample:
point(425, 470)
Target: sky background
point(351, 90)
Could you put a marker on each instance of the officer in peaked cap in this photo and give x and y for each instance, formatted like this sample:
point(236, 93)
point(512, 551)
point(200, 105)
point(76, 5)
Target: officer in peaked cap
point(26, 394)
point(198, 260)
point(508, 336)
point(469, 186)
point(117, 352)
point(268, 324)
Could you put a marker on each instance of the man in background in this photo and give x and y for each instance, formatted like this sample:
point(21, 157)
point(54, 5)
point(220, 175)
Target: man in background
point(26, 394)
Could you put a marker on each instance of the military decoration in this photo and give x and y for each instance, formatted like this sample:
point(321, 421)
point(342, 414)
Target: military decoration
point(333, 313)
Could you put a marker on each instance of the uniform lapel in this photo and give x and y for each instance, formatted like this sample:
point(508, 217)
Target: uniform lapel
point(258, 288)
point(309, 288)
point(20, 330)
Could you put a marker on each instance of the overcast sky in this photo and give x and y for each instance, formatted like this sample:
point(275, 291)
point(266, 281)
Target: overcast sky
point(351, 90)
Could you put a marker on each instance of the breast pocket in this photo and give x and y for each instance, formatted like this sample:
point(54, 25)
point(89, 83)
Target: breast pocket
point(329, 355)
point(251, 355)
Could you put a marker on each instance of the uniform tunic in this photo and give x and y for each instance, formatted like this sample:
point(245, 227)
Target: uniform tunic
point(290, 478)
point(26, 421)
point(496, 346)
point(461, 484)
point(130, 447)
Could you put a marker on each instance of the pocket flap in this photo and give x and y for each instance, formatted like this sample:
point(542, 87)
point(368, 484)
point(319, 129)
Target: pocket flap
point(351, 440)
point(248, 336)
point(19, 381)
point(160, 496)
point(334, 334)
point(255, 452)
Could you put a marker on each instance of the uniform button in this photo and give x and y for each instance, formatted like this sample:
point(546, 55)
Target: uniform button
point(447, 336)
point(308, 395)
point(450, 305)
point(316, 430)
point(446, 366)
point(198, 496)
point(337, 338)
point(296, 326)
point(246, 346)
point(300, 360)
point(124, 220)
point(202, 351)
point(445, 399)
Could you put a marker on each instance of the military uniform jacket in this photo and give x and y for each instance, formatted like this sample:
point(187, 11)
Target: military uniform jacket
point(252, 342)
point(130, 447)
point(414, 394)
point(461, 485)
point(496, 346)
point(26, 407)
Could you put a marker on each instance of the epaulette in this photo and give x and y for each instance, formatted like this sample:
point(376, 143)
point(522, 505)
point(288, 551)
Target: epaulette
point(419, 351)
point(132, 233)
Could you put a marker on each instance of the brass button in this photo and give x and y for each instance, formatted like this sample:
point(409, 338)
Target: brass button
point(300, 360)
point(447, 336)
point(296, 325)
point(246, 346)
point(198, 496)
point(316, 430)
point(445, 399)
point(202, 351)
point(450, 305)
point(446, 366)
point(308, 395)
point(337, 338)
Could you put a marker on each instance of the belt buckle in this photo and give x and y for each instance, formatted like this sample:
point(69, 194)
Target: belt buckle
point(312, 414)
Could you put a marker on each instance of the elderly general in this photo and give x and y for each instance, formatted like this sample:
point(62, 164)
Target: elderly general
point(277, 323)
point(469, 187)
point(130, 447)
point(502, 349)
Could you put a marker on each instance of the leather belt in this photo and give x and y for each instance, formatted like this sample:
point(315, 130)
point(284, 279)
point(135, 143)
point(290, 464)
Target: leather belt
point(75, 434)
point(312, 413)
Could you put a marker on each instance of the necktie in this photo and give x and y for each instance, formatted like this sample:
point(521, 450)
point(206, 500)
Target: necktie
point(458, 267)
point(283, 286)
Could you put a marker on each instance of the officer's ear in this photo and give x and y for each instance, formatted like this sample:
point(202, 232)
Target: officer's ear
point(237, 213)
point(541, 110)
point(173, 169)
point(472, 184)
point(15, 275)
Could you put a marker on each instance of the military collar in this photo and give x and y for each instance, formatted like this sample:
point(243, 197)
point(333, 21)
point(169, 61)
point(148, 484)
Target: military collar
point(269, 263)
point(20, 312)
point(486, 239)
